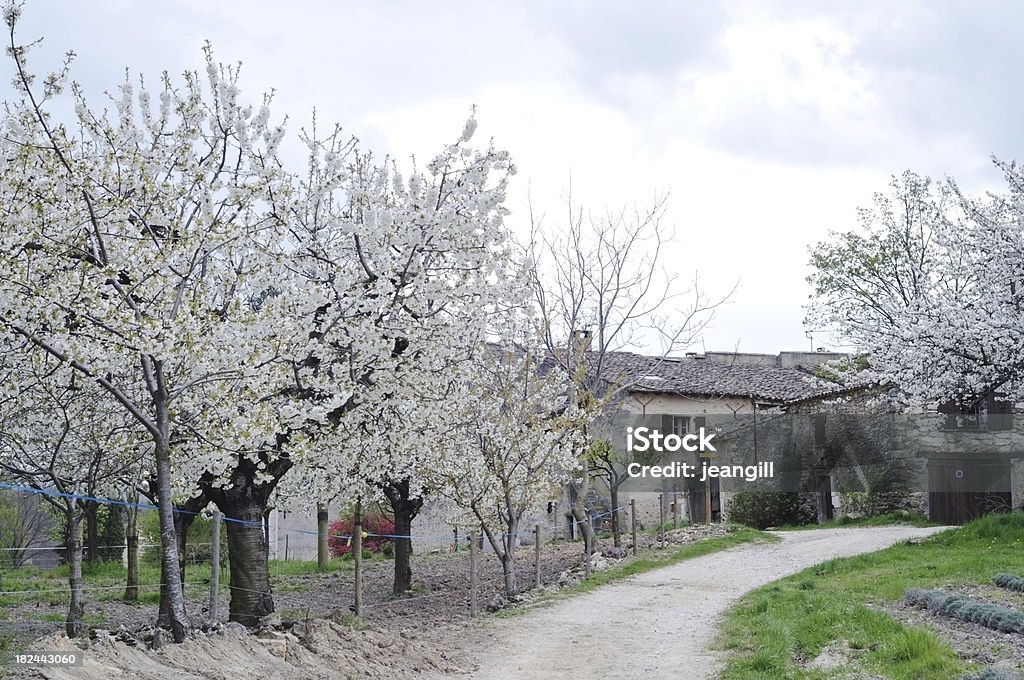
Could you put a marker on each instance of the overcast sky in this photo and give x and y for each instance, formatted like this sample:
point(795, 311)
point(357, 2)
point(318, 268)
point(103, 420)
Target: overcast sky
point(767, 123)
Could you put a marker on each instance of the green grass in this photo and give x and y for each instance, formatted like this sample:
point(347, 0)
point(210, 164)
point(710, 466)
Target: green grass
point(105, 581)
point(647, 560)
point(774, 627)
point(887, 519)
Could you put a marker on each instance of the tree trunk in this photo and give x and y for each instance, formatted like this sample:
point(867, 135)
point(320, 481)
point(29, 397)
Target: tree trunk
point(243, 501)
point(170, 566)
point(247, 558)
point(616, 530)
point(508, 560)
point(184, 515)
point(579, 514)
point(505, 548)
point(76, 609)
point(92, 531)
point(404, 510)
point(323, 555)
point(131, 588)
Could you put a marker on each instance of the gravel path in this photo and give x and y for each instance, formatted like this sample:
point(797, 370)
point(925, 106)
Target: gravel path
point(660, 624)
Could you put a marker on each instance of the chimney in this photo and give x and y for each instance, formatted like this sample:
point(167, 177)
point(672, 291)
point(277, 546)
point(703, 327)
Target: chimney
point(582, 340)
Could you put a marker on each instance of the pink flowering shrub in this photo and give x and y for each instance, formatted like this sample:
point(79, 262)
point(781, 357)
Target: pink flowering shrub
point(380, 528)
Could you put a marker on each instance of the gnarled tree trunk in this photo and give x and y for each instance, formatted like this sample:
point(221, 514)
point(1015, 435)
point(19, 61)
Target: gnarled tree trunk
point(404, 510)
point(243, 501)
point(251, 599)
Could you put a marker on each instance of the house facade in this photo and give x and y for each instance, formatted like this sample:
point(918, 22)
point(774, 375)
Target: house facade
point(847, 448)
point(718, 392)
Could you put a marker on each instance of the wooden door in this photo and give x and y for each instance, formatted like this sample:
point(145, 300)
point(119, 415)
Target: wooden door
point(961, 489)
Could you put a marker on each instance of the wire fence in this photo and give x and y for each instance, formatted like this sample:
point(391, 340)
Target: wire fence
point(474, 538)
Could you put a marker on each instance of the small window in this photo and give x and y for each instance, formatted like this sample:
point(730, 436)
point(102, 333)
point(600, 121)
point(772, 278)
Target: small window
point(681, 425)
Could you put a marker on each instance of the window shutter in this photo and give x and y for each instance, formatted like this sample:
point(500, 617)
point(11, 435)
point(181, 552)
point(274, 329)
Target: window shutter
point(819, 430)
point(1000, 414)
point(699, 422)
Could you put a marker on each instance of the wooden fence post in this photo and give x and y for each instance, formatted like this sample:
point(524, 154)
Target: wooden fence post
point(675, 510)
point(536, 554)
point(661, 520)
point(707, 502)
point(473, 548)
point(587, 538)
point(323, 555)
point(215, 566)
point(632, 518)
point(357, 546)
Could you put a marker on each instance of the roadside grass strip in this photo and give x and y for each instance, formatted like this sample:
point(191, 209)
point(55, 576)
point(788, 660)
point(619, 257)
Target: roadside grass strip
point(782, 629)
point(647, 560)
point(1009, 581)
point(914, 519)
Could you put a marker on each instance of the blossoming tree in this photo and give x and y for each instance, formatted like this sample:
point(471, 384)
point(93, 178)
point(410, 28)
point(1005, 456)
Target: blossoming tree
point(134, 244)
point(930, 288)
point(517, 442)
point(400, 274)
point(62, 437)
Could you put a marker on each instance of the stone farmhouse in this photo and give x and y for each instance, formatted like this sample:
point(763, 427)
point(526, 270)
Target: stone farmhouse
point(854, 448)
point(680, 395)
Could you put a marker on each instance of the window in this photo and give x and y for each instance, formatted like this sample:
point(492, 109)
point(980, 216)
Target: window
point(682, 425)
point(988, 414)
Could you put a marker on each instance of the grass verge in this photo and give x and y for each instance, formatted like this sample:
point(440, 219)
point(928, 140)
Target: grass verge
point(648, 560)
point(774, 630)
point(887, 519)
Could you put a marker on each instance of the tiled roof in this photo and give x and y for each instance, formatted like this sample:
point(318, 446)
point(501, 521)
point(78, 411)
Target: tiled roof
point(698, 376)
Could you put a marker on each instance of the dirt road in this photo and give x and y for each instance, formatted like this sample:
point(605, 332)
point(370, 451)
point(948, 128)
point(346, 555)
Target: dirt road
point(660, 624)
